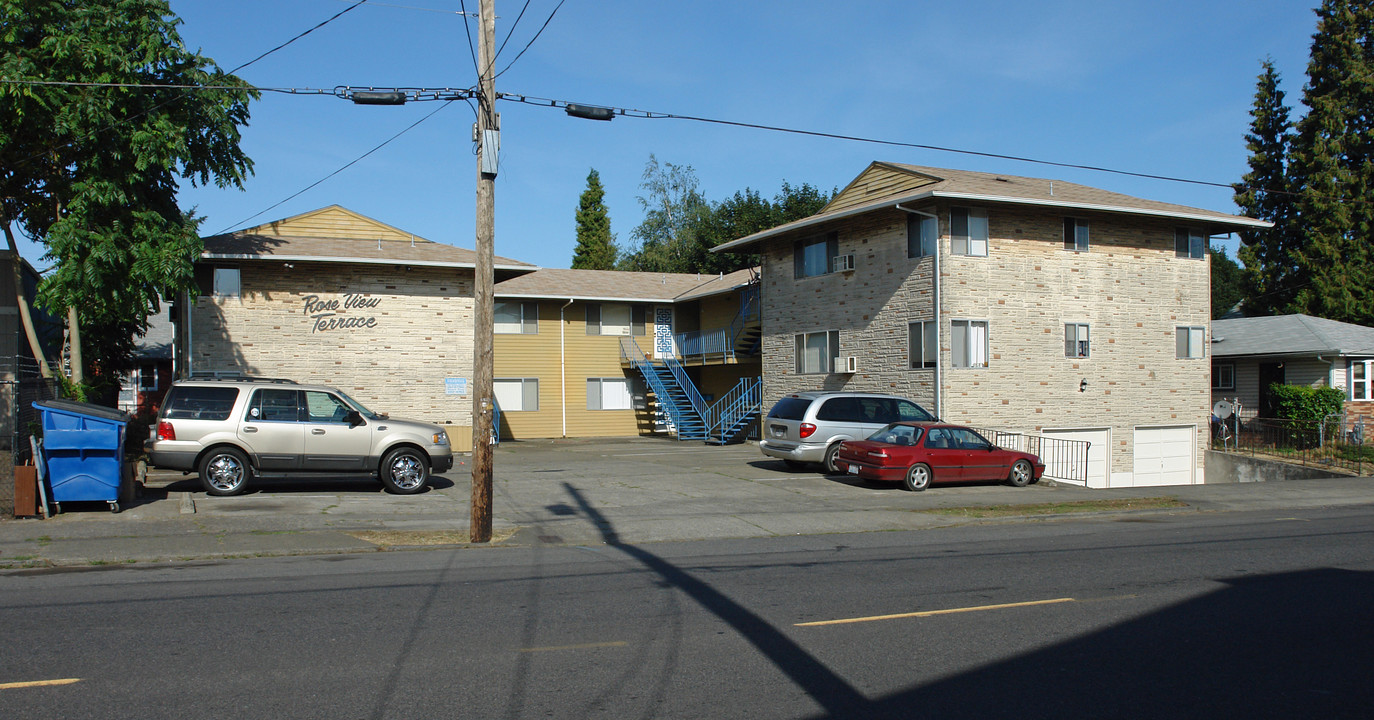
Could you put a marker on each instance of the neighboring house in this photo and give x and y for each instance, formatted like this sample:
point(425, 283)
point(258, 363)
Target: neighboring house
point(588, 353)
point(143, 388)
point(1007, 303)
point(336, 298)
point(1250, 354)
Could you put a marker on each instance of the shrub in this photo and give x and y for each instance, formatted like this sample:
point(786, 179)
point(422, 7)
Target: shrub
point(1307, 404)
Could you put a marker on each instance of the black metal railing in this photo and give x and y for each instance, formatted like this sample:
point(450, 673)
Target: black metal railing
point(1336, 443)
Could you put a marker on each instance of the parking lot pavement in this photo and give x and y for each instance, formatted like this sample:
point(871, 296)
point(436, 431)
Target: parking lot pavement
point(583, 491)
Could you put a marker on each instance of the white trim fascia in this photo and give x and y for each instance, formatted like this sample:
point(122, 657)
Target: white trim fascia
point(584, 298)
point(355, 261)
point(1231, 220)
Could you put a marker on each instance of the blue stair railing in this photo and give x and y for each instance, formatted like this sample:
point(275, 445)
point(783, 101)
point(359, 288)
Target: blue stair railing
point(679, 400)
point(733, 414)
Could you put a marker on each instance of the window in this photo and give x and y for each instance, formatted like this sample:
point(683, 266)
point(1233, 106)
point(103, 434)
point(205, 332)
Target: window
point(1223, 376)
point(923, 344)
point(1360, 380)
point(922, 234)
point(609, 394)
point(817, 352)
point(516, 394)
point(147, 378)
point(1075, 234)
point(812, 256)
point(968, 343)
point(1189, 341)
point(608, 319)
point(968, 231)
point(226, 282)
point(274, 405)
point(1188, 243)
point(639, 320)
point(1075, 340)
point(200, 403)
point(322, 407)
point(517, 318)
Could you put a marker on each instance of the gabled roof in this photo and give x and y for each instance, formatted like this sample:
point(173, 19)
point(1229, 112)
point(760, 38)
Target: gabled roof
point(1290, 335)
point(615, 285)
point(338, 235)
point(885, 185)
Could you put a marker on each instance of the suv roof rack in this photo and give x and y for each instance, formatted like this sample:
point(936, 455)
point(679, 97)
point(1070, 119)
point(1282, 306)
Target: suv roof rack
point(240, 378)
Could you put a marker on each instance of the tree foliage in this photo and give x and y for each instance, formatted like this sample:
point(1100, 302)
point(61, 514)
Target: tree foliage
point(681, 226)
point(596, 248)
point(1228, 282)
point(97, 129)
point(1315, 183)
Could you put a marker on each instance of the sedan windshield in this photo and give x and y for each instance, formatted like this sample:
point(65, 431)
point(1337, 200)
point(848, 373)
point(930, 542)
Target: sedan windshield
point(897, 434)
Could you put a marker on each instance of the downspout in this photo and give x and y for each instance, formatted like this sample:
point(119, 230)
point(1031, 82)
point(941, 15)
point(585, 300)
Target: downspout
point(939, 386)
point(563, 366)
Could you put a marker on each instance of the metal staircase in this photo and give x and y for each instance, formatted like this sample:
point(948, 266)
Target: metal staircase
point(689, 416)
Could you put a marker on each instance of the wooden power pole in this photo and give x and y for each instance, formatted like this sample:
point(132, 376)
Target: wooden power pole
point(483, 395)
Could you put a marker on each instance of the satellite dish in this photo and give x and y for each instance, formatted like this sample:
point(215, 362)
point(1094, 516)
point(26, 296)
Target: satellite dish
point(1222, 409)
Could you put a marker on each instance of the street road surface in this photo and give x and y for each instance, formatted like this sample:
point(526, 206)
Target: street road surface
point(1265, 614)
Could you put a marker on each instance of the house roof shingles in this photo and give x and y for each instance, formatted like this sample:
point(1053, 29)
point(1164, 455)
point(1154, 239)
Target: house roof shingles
point(619, 285)
point(1006, 189)
point(252, 246)
point(1290, 335)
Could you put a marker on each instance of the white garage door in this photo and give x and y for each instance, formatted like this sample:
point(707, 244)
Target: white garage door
point(1164, 456)
point(1065, 461)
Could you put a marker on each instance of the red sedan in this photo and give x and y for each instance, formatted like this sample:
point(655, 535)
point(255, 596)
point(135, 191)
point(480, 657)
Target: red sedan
point(919, 453)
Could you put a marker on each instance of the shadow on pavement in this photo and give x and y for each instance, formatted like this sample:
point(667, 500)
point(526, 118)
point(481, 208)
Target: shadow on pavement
point(1288, 645)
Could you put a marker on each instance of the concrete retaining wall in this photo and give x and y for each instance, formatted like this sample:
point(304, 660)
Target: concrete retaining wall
point(1224, 467)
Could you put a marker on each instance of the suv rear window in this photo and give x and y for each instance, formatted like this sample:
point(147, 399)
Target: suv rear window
point(199, 403)
point(790, 409)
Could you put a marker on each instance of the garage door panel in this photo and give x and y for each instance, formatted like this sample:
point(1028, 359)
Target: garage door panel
point(1098, 471)
point(1164, 456)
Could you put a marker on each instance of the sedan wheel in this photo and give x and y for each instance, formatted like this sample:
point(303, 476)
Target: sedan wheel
point(404, 471)
point(918, 477)
point(832, 454)
point(1021, 474)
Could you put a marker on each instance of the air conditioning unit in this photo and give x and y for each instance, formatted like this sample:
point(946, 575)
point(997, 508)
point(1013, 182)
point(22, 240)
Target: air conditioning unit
point(851, 364)
point(841, 263)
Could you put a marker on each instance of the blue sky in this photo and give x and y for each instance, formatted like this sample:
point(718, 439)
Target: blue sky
point(1151, 86)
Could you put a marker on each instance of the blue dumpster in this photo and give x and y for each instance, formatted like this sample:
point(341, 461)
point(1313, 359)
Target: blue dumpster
point(83, 451)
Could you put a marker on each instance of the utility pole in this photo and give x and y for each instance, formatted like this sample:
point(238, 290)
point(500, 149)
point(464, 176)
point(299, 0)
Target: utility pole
point(483, 397)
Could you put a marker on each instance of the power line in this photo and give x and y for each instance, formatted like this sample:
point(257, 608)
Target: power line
point(653, 115)
point(347, 165)
point(299, 36)
point(531, 42)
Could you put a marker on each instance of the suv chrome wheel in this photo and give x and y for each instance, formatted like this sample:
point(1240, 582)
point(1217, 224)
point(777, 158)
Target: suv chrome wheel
point(404, 471)
point(224, 471)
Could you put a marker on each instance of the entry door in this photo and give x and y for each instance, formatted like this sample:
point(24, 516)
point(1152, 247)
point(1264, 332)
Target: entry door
point(663, 332)
point(330, 444)
point(1269, 374)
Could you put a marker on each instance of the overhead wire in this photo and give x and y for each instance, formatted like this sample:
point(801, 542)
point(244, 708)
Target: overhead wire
point(531, 42)
point(299, 36)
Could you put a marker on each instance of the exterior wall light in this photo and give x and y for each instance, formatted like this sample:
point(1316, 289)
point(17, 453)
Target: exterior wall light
point(1083, 385)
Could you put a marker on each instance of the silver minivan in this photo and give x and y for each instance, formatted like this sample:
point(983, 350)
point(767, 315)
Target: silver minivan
point(808, 427)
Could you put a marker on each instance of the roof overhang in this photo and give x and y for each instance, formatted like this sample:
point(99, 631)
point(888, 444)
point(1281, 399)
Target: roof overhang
point(1230, 222)
point(341, 260)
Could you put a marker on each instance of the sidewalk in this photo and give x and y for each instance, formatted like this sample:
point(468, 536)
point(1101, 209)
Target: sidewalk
point(646, 490)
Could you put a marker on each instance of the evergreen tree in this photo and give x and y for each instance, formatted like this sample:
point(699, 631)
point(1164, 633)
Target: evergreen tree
point(1332, 167)
point(1228, 283)
point(1271, 274)
point(596, 248)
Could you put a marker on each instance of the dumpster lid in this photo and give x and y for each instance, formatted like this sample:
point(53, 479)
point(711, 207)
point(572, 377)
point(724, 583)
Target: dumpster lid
point(83, 408)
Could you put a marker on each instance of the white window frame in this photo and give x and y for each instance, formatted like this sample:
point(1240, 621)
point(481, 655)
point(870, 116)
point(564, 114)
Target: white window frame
point(922, 235)
point(147, 377)
point(1077, 340)
point(923, 344)
point(968, 341)
point(506, 399)
point(975, 242)
point(525, 322)
point(1190, 243)
point(226, 282)
point(1361, 389)
point(1190, 342)
point(599, 399)
point(1076, 234)
point(805, 345)
point(1223, 380)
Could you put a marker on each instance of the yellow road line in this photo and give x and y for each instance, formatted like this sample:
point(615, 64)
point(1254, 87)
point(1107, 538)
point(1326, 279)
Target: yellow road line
point(584, 646)
point(929, 613)
point(38, 683)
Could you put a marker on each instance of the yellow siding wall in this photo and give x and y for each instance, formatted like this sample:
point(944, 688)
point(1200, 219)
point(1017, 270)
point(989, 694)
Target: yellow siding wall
point(876, 182)
point(333, 223)
point(579, 356)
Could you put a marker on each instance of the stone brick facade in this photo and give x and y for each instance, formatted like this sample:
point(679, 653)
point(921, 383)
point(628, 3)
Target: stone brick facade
point(388, 335)
point(1129, 288)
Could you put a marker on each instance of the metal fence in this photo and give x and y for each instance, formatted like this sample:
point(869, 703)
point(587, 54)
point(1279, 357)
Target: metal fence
point(1336, 443)
point(1064, 459)
point(22, 384)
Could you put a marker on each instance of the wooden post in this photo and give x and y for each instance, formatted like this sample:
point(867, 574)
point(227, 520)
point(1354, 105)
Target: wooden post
point(483, 397)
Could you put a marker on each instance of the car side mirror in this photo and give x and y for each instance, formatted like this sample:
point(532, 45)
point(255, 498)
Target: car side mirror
point(354, 418)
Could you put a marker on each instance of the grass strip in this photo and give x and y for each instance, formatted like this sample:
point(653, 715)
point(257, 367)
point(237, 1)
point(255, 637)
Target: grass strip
point(1059, 508)
point(423, 538)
